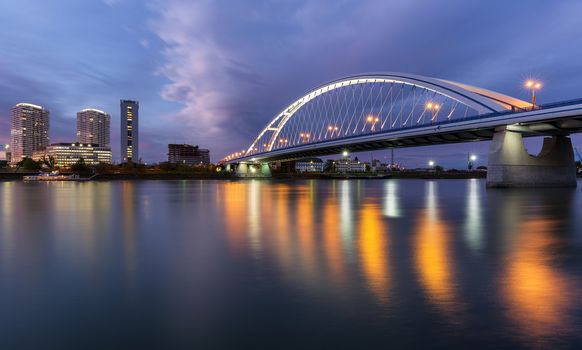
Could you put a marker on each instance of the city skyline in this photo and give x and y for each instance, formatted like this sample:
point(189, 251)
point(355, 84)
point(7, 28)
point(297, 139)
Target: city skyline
point(213, 76)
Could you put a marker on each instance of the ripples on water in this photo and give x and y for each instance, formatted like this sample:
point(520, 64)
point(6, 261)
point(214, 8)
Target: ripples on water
point(305, 264)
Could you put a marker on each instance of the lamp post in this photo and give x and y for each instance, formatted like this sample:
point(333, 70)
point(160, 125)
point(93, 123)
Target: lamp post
point(471, 158)
point(433, 108)
point(304, 137)
point(370, 119)
point(533, 85)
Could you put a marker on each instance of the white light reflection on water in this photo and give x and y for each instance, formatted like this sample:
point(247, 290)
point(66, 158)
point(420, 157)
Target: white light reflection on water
point(391, 199)
point(473, 215)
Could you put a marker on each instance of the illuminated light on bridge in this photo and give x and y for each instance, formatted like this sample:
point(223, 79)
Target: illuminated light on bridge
point(395, 110)
point(533, 86)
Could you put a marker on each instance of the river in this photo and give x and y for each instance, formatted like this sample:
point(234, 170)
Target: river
point(289, 264)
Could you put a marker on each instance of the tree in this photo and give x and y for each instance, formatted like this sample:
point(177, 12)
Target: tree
point(49, 162)
point(29, 164)
point(438, 168)
point(80, 166)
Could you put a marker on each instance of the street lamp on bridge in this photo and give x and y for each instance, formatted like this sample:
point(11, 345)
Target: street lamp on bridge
point(370, 119)
point(433, 108)
point(533, 85)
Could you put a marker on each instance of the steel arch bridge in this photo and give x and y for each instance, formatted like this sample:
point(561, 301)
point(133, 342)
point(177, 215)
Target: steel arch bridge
point(390, 110)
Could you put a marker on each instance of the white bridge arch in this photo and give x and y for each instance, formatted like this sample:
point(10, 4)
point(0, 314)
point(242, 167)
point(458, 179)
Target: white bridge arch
point(480, 101)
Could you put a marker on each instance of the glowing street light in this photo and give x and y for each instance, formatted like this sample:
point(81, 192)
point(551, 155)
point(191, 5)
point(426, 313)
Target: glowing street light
point(431, 163)
point(372, 120)
point(533, 85)
point(345, 154)
point(471, 158)
point(433, 108)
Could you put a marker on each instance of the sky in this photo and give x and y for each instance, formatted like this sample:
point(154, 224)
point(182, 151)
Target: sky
point(214, 72)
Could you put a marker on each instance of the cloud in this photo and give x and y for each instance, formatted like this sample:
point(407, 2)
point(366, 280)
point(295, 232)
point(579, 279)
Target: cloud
point(234, 65)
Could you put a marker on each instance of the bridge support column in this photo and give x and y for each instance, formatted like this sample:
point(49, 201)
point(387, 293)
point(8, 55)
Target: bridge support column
point(511, 166)
point(242, 169)
point(228, 168)
point(265, 170)
point(253, 170)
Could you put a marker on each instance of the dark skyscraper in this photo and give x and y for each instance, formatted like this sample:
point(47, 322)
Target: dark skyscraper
point(129, 117)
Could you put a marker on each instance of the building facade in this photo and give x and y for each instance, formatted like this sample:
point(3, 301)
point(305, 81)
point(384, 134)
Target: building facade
point(67, 154)
point(93, 126)
point(129, 116)
point(309, 165)
point(188, 154)
point(346, 165)
point(29, 130)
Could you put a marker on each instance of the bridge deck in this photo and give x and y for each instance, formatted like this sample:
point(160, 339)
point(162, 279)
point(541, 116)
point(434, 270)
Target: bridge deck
point(554, 118)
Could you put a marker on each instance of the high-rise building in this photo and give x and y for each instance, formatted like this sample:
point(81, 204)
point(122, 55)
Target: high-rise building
point(29, 130)
point(129, 116)
point(93, 127)
point(188, 154)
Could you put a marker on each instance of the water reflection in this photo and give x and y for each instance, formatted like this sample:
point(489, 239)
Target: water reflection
point(234, 199)
point(229, 261)
point(433, 256)
point(332, 242)
point(538, 294)
point(373, 245)
point(391, 199)
point(305, 231)
point(473, 215)
point(256, 211)
point(347, 216)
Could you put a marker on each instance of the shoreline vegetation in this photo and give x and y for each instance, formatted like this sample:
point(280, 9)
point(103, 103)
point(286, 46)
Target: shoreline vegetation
point(198, 175)
point(171, 171)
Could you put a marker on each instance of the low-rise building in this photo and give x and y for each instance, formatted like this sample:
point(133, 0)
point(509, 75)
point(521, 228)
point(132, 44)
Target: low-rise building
point(67, 154)
point(188, 154)
point(309, 165)
point(346, 165)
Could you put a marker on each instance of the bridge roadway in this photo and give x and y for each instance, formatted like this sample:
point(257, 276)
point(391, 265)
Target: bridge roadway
point(555, 119)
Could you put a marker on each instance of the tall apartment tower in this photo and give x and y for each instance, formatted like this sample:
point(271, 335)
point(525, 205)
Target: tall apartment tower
point(129, 116)
point(29, 130)
point(93, 127)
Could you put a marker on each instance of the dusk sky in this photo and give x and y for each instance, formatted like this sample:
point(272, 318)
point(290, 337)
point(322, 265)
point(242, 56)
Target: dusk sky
point(213, 73)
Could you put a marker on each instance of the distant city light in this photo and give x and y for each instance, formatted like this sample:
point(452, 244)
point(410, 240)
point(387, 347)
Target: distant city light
point(430, 163)
point(473, 157)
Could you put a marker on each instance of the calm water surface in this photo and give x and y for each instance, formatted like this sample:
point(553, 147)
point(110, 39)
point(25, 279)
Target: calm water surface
point(305, 264)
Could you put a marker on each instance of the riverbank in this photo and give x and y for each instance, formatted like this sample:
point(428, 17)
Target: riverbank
point(13, 176)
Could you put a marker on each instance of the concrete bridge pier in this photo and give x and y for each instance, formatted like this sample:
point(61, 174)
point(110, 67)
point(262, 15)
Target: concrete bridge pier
point(265, 170)
point(242, 169)
point(253, 170)
point(511, 166)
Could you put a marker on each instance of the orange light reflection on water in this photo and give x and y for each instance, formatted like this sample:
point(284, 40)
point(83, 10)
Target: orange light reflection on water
point(538, 296)
point(373, 247)
point(432, 255)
